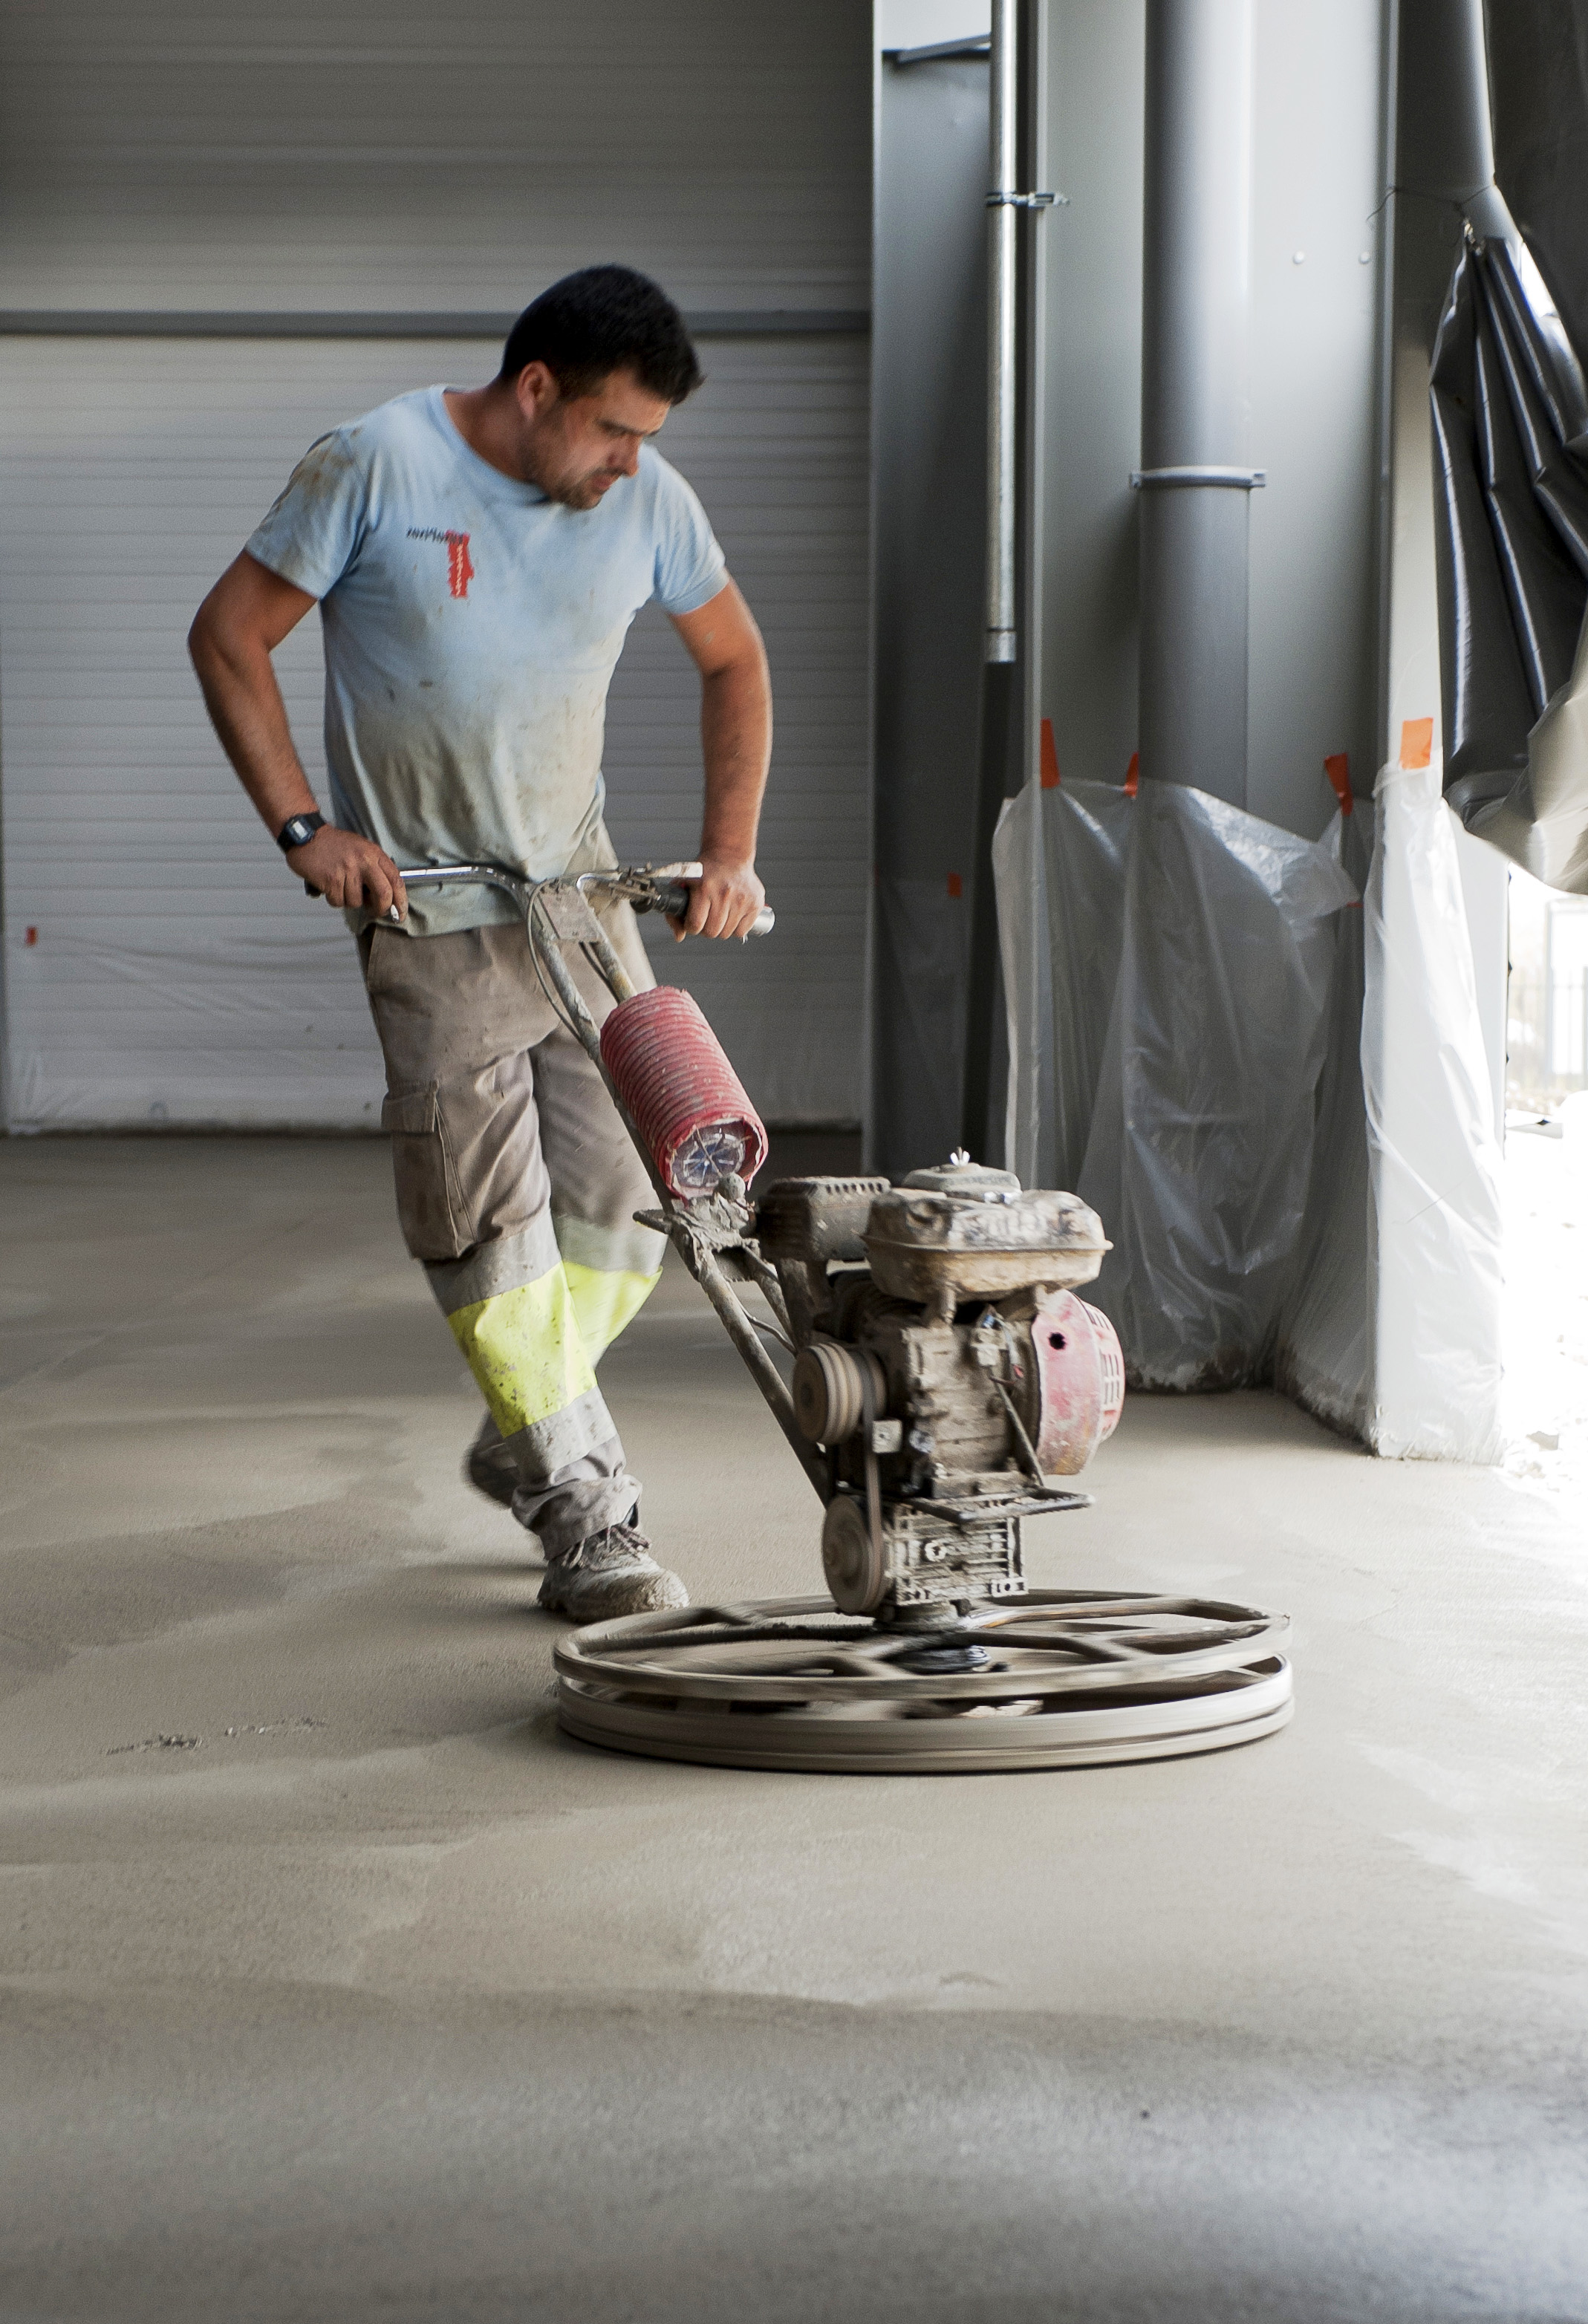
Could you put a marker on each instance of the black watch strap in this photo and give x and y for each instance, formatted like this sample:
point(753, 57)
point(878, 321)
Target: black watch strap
point(298, 830)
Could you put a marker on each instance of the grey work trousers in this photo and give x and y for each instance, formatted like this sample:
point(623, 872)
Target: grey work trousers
point(517, 1187)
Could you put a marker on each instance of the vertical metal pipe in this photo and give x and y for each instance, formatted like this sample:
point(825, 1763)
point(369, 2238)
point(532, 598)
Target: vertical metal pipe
point(1446, 145)
point(1003, 215)
point(1195, 394)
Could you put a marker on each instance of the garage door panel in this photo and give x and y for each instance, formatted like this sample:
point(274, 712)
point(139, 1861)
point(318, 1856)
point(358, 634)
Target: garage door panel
point(174, 970)
point(374, 155)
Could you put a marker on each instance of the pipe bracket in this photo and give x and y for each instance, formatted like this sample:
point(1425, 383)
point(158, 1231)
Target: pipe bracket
point(1240, 480)
point(998, 200)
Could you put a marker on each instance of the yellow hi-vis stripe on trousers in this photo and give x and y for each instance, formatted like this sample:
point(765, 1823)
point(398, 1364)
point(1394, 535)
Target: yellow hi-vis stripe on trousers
point(525, 1349)
point(533, 1349)
point(606, 1301)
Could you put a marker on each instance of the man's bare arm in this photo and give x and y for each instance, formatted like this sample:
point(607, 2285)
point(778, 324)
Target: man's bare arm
point(737, 742)
point(236, 629)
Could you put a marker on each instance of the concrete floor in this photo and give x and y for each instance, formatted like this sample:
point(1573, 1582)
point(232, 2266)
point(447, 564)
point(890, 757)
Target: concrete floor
point(1544, 1189)
point(333, 1985)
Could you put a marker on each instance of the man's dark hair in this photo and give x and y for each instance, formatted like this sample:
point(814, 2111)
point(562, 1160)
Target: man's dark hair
point(602, 319)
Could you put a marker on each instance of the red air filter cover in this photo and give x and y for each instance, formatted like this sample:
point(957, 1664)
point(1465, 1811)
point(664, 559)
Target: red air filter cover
point(1081, 1381)
point(686, 1100)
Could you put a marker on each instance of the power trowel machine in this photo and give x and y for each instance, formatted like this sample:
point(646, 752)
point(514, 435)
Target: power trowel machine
point(947, 1383)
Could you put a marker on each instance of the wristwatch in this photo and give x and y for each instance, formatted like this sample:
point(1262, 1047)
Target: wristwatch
point(296, 831)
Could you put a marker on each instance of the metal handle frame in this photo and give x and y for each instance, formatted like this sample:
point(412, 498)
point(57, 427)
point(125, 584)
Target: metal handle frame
point(702, 1231)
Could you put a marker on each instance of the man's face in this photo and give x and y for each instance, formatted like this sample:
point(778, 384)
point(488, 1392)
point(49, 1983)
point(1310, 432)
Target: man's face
point(576, 447)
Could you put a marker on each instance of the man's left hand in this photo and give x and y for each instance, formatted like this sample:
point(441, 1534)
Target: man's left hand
point(722, 902)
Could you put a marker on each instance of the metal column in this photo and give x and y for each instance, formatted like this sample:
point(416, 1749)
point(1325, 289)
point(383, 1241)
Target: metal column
point(1013, 150)
point(1193, 478)
point(1004, 126)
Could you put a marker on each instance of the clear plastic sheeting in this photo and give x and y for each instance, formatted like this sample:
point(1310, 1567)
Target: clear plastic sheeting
point(1058, 858)
point(1510, 441)
point(1323, 1359)
point(1190, 961)
point(1434, 1152)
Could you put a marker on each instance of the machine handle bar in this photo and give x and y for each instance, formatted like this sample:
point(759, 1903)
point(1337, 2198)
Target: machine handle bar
point(648, 892)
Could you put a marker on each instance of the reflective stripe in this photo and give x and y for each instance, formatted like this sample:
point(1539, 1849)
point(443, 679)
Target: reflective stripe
point(606, 1302)
point(628, 1250)
point(525, 1348)
point(539, 1452)
point(493, 1268)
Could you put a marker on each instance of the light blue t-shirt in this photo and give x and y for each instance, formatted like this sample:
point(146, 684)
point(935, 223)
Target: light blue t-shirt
point(472, 626)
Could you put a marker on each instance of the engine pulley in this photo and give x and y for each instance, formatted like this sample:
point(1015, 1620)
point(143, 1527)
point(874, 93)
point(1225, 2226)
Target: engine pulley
point(829, 1389)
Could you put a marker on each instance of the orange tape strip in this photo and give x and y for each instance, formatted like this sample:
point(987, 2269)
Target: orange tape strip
point(1416, 742)
point(1338, 769)
point(955, 885)
point(1049, 757)
point(1133, 775)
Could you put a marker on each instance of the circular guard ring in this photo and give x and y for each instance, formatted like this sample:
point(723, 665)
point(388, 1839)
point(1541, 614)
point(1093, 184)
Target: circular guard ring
point(1075, 1678)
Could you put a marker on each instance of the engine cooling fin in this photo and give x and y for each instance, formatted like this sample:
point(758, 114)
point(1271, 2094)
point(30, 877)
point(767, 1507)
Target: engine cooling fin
point(1060, 1678)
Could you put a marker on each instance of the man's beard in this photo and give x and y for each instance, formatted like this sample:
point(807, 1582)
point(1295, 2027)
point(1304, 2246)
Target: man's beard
point(582, 493)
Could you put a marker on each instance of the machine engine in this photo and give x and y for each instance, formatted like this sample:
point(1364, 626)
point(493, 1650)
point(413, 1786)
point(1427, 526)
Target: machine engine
point(946, 1366)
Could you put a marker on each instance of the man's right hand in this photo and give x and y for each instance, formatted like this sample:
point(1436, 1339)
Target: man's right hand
point(350, 871)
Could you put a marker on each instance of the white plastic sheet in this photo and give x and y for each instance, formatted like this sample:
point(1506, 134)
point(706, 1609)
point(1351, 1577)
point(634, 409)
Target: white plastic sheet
point(1190, 953)
point(1434, 1152)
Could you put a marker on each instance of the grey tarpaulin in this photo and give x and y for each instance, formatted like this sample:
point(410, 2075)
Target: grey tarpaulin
point(1510, 438)
point(1539, 86)
point(1192, 953)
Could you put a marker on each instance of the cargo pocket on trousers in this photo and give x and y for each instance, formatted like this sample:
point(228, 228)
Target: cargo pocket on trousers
point(429, 1202)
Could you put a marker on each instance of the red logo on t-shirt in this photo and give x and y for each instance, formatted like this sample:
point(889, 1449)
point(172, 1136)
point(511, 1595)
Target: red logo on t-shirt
point(460, 569)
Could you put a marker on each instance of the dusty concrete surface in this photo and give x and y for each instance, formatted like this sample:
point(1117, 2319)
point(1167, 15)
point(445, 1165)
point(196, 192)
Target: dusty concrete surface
point(368, 1998)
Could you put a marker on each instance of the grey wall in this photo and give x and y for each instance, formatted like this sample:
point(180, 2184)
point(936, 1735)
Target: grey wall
point(1311, 683)
point(159, 156)
point(1316, 192)
point(1092, 253)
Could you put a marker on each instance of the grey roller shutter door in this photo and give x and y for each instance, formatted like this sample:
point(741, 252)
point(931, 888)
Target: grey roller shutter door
point(160, 963)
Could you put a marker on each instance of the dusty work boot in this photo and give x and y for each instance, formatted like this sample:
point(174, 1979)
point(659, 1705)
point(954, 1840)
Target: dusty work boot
point(608, 1574)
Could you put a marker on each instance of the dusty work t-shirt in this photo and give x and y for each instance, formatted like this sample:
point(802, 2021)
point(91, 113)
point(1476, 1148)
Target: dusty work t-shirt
point(472, 626)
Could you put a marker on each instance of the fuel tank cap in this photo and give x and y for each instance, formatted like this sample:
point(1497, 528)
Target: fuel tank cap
point(960, 1175)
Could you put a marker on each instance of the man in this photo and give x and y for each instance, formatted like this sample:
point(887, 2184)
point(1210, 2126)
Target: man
point(477, 556)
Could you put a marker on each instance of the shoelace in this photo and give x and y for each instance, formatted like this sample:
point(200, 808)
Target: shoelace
point(616, 1545)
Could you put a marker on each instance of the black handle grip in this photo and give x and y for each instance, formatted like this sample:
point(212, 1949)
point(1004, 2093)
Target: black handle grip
point(674, 902)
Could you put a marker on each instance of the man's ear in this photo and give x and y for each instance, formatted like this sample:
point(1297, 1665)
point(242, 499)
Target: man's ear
point(535, 390)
